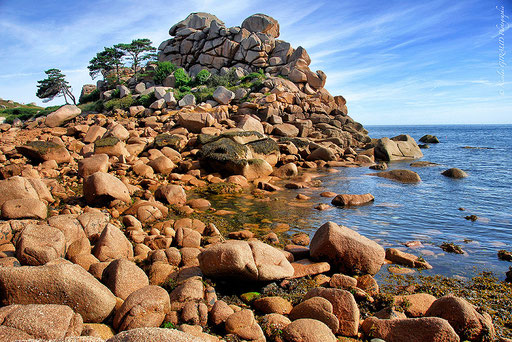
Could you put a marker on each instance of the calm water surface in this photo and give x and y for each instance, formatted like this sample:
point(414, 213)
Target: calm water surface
point(428, 211)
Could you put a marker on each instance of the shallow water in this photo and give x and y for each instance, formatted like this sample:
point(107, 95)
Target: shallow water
point(428, 211)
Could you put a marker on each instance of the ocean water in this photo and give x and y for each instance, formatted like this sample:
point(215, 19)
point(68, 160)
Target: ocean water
point(428, 211)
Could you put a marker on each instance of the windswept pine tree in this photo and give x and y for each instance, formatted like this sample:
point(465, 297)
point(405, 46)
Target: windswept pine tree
point(55, 85)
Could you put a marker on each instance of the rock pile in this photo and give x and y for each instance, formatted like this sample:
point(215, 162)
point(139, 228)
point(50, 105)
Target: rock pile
point(105, 239)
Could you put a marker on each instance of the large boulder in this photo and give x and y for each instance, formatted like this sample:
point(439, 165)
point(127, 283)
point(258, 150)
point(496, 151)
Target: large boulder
point(39, 244)
point(468, 323)
point(197, 21)
point(454, 173)
point(145, 307)
point(401, 147)
point(123, 277)
point(194, 122)
point(62, 115)
point(346, 250)
point(49, 321)
point(24, 208)
point(60, 283)
point(41, 151)
point(317, 308)
point(112, 244)
point(244, 260)
point(17, 188)
point(427, 329)
point(101, 188)
point(262, 23)
point(93, 164)
point(244, 325)
point(223, 95)
point(171, 194)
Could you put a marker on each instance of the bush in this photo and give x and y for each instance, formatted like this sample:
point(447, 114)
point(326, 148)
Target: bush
point(204, 94)
point(146, 100)
point(26, 113)
point(228, 80)
point(182, 79)
point(92, 97)
point(260, 75)
point(123, 103)
point(163, 69)
point(202, 77)
point(116, 93)
point(96, 106)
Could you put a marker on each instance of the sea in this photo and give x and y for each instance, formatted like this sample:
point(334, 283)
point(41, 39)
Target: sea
point(431, 212)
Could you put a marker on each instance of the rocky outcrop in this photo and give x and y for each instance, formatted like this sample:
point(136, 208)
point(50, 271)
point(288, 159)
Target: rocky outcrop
point(401, 147)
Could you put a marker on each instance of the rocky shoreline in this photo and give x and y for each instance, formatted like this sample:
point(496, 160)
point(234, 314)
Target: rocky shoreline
point(106, 237)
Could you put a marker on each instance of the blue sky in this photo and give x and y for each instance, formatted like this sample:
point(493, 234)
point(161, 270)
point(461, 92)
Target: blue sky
point(396, 62)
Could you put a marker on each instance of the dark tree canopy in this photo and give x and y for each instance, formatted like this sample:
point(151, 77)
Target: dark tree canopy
point(110, 59)
point(138, 51)
point(54, 85)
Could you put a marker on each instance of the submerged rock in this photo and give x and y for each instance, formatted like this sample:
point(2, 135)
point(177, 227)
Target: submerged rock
point(454, 173)
point(404, 176)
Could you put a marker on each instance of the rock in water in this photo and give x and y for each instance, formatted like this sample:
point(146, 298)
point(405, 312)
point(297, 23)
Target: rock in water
point(250, 261)
point(65, 284)
point(346, 250)
point(349, 200)
point(397, 148)
point(454, 173)
point(403, 176)
point(429, 139)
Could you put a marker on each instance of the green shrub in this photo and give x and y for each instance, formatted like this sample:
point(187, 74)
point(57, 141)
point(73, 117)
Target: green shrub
point(146, 100)
point(202, 77)
point(228, 80)
point(123, 103)
point(204, 94)
point(185, 89)
point(96, 106)
point(260, 75)
point(116, 93)
point(163, 69)
point(92, 97)
point(26, 113)
point(182, 79)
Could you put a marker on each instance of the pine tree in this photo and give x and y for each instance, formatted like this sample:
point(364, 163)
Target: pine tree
point(106, 61)
point(53, 86)
point(138, 51)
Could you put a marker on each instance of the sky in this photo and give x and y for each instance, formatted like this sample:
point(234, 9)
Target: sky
point(396, 62)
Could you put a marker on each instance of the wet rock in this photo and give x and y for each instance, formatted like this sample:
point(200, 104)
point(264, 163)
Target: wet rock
point(64, 283)
point(47, 321)
point(450, 247)
point(124, 277)
point(422, 163)
point(407, 259)
point(428, 329)
point(504, 255)
point(101, 188)
point(146, 307)
point(404, 176)
point(253, 260)
point(308, 330)
point(454, 173)
point(352, 200)
point(429, 139)
point(468, 323)
point(244, 325)
point(346, 250)
point(344, 308)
